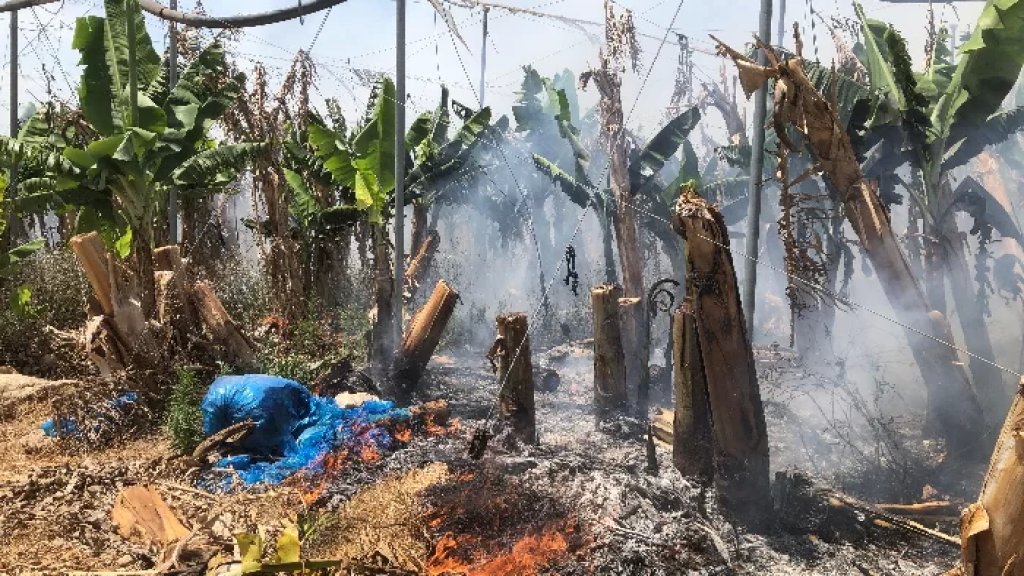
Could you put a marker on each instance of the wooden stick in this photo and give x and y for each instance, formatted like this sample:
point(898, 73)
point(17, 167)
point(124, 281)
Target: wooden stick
point(233, 433)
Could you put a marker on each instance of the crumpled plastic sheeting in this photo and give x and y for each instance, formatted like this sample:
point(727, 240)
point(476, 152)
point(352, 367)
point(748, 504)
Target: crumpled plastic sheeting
point(69, 426)
point(294, 428)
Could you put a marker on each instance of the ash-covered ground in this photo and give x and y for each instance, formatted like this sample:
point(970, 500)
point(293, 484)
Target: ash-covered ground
point(583, 501)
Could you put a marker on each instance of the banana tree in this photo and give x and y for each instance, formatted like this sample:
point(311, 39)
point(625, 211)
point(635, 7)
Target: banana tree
point(142, 136)
point(10, 258)
point(28, 156)
point(360, 165)
point(949, 114)
point(652, 194)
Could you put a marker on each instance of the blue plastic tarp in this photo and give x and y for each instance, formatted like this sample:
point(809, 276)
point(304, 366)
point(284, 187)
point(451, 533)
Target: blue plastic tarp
point(69, 426)
point(294, 428)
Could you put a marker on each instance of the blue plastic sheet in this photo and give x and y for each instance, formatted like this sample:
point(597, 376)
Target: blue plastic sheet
point(294, 429)
point(69, 426)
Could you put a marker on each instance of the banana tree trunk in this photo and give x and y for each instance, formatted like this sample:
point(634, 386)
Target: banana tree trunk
point(988, 380)
point(420, 212)
point(382, 345)
point(510, 355)
point(201, 233)
point(992, 530)
point(283, 268)
point(726, 368)
point(142, 253)
point(953, 406)
point(609, 84)
point(605, 219)
point(814, 329)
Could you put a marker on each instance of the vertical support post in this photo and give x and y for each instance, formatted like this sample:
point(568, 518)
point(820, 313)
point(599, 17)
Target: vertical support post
point(133, 75)
point(483, 59)
point(13, 184)
point(754, 190)
point(781, 24)
point(399, 167)
point(14, 76)
point(172, 79)
point(952, 43)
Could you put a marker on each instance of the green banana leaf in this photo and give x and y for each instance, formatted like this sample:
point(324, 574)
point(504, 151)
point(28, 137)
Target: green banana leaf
point(218, 166)
point(374, 154)
point(665, 143)
point(964, 145)
point(331, 149)
point(990, 63)
point(877, 61)
point(19, 253)
point(580, 193)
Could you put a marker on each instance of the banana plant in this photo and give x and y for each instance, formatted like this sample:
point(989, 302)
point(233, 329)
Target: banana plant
point(12, 257)
point(949, 114)
point(358, 169)
point(651, 193)
point(139, 143)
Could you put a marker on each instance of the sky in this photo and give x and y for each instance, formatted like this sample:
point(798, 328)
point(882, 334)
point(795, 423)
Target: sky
point(360, 35)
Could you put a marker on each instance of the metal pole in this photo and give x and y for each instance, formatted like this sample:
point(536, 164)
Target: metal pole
point(399, 165)
point(13, 76)
point(483, 58)
point(754, 190)
point(13, 184)
point(952, 43)
point(172, 79)
point(781, 40)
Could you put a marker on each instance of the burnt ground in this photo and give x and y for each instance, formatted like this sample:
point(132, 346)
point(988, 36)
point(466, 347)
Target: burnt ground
point(581, 502)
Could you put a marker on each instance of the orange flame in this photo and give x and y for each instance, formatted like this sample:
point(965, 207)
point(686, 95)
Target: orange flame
point(462, 555)
point(369, 454)
point(403, 435)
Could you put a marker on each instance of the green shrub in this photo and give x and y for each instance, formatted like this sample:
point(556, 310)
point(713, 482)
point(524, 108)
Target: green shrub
point(184, 419)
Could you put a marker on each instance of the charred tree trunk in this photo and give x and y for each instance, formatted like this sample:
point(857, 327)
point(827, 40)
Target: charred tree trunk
point(510, 357)
point(609, 85)
point(992, 529)
point(739, 431)
point(419, 266)
point(607, 232)
point(952, 404)
point(609, 361)
point(692, 452)
point(423, 334)
point(382, 342)
point(635, 339)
